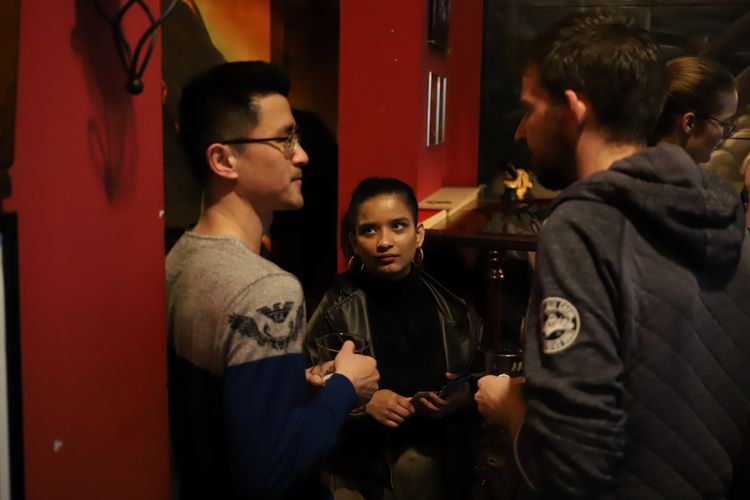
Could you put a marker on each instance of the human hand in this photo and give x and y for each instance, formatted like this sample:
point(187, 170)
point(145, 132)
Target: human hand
point(361, 371)
point(429, 404)
point(450, 399)
point(457, 396)
point(315, 375)
point(389, 408)
point(500, 400)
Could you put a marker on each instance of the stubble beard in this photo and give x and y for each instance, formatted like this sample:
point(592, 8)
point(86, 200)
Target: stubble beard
point(555, 169)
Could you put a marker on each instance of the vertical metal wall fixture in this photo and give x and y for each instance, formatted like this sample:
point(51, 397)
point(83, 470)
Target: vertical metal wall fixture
point(135, 61)
point(437, 99)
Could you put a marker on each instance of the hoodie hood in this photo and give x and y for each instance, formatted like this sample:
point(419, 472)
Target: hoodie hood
point(662, 188)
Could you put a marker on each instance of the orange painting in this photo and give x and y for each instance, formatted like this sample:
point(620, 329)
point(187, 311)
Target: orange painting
point(239, 29)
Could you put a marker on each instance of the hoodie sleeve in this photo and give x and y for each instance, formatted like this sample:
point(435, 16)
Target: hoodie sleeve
point(573, 435)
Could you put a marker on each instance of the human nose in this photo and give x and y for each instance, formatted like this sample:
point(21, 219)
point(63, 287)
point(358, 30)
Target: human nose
point(520, 134)
point(385, 241)
point(299, 156)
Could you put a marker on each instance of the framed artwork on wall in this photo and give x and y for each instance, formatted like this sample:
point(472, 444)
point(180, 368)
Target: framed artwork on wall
point(437, 33)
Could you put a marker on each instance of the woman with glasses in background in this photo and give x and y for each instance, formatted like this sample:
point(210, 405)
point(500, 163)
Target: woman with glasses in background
point(698, 112)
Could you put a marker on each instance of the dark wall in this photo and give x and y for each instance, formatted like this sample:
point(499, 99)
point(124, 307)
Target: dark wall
point(305, 42)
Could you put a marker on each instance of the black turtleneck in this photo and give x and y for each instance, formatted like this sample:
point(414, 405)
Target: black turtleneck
point(405, 333)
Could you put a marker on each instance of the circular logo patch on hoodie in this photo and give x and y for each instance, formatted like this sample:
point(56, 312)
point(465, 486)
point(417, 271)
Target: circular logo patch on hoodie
point(560, 324)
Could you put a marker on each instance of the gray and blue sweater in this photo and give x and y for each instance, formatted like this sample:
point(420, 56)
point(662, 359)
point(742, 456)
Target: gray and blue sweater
point(241, 420)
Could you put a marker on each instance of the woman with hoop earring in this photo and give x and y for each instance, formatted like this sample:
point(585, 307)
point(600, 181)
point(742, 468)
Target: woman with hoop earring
point(410, 442)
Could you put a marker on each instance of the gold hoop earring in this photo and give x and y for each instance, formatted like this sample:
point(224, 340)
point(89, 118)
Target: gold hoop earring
point(351, 263)
point(419, 257)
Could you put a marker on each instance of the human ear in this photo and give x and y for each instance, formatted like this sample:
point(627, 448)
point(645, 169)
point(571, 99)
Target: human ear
point(577, 106)
point(687, 122)
point(420, 234)
point(220, 160)
point(353, 243)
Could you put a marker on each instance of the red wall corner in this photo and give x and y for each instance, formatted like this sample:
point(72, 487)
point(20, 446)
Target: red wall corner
point(88, 190)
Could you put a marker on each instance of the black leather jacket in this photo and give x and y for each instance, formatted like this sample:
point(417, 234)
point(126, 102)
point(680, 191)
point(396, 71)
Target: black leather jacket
point(362, 449)
point(344, 309)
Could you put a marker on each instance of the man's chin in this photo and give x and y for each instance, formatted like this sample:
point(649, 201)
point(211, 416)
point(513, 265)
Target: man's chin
point(289, 205)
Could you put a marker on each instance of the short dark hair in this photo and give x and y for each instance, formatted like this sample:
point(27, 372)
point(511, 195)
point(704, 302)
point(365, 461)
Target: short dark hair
point(617, 66)
point(695, 84)
point(220, 103)
point(370, 188)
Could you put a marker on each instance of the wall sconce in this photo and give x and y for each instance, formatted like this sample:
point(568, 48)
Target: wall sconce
point(134, 64)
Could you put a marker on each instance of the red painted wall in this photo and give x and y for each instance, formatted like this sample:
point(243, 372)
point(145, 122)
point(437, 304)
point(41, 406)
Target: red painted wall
point(87, 186)
point(380, 91)
point(384, 62)
point(464, 86)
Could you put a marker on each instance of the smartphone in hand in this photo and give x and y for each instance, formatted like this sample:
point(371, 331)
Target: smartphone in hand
point(453, 385)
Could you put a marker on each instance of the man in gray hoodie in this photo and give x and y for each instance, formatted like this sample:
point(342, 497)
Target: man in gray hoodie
point(638, 328)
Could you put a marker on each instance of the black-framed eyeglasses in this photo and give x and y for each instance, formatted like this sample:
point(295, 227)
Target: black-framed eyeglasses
point(727, 128)
point(289, 142)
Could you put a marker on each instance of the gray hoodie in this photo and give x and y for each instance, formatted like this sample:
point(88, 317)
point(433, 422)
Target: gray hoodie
point(638, 335)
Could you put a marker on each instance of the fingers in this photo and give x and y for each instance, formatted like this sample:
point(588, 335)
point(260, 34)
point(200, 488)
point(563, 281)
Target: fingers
point(402, 407)
point(484, 406)
point(390, 423)
point(389, 408)
point(360, 370)
point(316, 375)
point(495, 396)
point(347, 348)
point(398, 410)
point(327, 367)
point(437, 400)
point(428, 404)
point(313, 377)
point(393, 416)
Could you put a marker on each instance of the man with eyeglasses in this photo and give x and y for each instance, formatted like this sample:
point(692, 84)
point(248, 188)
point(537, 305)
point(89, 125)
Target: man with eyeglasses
point(241, 419)
point(637, 335)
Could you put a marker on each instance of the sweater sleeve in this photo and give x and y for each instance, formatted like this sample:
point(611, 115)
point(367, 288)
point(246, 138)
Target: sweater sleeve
point(274, 434)
point(573, 435)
